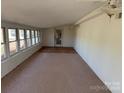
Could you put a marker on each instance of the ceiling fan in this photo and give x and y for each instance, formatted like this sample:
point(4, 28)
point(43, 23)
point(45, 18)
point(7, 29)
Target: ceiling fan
point(113, 7)
point(110, 7)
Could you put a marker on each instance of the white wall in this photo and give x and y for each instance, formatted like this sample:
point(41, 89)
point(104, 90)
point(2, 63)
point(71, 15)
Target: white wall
point(98, 42)
point(48, 37)
point(67, 37)
point(12, 62)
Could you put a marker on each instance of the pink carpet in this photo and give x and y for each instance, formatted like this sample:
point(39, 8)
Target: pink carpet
point(52, 73)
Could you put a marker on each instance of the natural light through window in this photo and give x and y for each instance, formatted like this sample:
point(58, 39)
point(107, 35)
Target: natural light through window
point(33, 37)
point(22, 39)
point(15, 40)
point(12, 41)
point(3, 51)
point(28, 38)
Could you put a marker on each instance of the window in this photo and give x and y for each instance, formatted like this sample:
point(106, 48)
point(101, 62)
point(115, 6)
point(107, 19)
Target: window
point(22, 39)
point(28, 38)
point(36, 36)
point(3, 49)
point(12, 41)
point(33, 37)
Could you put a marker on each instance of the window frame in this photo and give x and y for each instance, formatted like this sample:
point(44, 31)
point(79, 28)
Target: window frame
point(28, 38)
point(33, 38)
point(4, 43)
point(39, 36)
point(36, 36)
point(8, 42)
point(22, 39)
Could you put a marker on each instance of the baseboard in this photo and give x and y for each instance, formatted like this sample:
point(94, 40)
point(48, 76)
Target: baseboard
point(56, 47)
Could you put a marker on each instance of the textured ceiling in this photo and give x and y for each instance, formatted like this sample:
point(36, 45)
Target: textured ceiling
point(46, 13)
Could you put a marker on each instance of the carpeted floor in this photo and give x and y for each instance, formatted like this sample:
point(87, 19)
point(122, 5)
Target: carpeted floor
point(53, 72)
point(57, 50)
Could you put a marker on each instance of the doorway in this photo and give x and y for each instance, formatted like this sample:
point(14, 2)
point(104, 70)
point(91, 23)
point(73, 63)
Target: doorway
point(58, 37)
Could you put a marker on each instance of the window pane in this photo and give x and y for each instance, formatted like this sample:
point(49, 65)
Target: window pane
point(2, 35)
point(3, 54)
point(32, 33)
point(36, 39)
point(28, 42)
point(12, 34)
point(21, 34)
point(22, 44)
point(27, 33)
point(13, 47)
point(36, 34)
point(33, 41)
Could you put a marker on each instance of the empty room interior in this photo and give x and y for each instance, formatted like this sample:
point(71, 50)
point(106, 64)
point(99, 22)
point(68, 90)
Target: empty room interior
point(61, 46)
